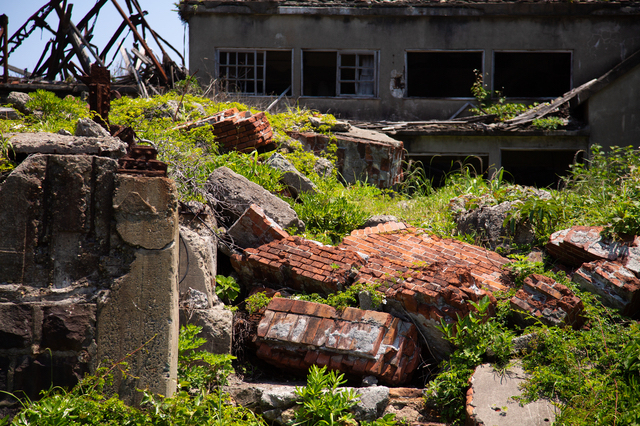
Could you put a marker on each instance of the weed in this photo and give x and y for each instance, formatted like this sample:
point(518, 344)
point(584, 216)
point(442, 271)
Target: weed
point(256, 302)
point(227, 289)
point(322, 403)
point(548, 123)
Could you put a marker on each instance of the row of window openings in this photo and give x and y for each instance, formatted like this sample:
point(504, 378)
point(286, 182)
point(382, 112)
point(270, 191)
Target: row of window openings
point(428, 74)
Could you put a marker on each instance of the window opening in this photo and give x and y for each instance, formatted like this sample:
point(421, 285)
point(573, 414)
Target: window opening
point(442, 74)
point(255, 72)
point(345, 74)
point(532, 74)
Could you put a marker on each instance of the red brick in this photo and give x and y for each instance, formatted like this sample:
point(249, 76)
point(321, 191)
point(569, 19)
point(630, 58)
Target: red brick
point(323, 359)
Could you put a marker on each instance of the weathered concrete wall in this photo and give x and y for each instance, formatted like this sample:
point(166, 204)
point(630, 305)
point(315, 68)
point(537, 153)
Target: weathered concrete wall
point(598, 35)
point(88, 272)
point(614, 112)
point(138, 319)
point(492, 145)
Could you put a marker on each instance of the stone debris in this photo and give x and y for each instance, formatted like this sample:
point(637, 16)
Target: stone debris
point(295, 181)
point(295, 334)
point(618, 287)
point(548, 301)
point(230, 194)
point(7, 113)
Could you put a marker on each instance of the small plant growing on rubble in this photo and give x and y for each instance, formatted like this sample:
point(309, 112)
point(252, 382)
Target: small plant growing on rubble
point(503, 109)
point(322, 403)
point(227, 289)
point(472, 335)
point(256, 302)
point(548, 123)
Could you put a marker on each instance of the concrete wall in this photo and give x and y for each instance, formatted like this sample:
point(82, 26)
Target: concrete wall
point(88, 275)
point(492, 146)
point(614, 112)
point(599, 36)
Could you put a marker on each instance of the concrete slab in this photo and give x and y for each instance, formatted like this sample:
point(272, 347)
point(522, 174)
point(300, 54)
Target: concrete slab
point(490, 402)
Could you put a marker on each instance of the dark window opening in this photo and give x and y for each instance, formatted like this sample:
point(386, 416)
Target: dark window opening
point(539, 168)
point(332, 74)
point(255, 72)
point(532, 74)
point(441, 74)
point(319, 73)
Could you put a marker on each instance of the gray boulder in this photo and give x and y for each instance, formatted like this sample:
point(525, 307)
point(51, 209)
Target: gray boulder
point(231, 194)
point(486, 222)
point(378, 219)
point(19, 101)
point(197, 264)
point(372, 402)
point(295, 181)
point(88, 127)
point(217, 327)
point(323, 167)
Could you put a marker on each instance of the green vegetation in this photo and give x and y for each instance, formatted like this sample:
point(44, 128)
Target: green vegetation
point(227, 289)
point(591, 373)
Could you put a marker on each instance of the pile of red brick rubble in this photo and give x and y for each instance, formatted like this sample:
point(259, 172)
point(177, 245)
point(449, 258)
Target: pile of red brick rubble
point(425, 280)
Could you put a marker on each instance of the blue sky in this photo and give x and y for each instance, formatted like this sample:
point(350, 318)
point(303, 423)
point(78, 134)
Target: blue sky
point(162, 18)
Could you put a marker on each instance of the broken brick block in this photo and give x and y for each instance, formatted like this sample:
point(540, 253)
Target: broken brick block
point(617, 286)
point(357, 344)
point(580, 244)
point(236, 130)
point(254, 228)
point(550, 302)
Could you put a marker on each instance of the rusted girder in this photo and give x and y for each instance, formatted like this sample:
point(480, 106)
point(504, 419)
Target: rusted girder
point(141, 160)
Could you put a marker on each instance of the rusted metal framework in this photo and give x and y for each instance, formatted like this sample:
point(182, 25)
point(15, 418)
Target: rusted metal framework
point(73, 41)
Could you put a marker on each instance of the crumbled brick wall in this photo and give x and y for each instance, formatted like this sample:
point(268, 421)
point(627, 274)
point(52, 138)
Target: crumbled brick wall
point(550, 302)
point(607, 267)
point(358, 159)
point(423, 276)
point(295, 334)
point(617, 286)
point(580, 244)
point(254, 228)
point(240, 131)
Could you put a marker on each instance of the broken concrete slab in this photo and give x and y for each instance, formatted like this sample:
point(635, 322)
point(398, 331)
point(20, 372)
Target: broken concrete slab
point(217, 326)
point(231, 194)
point(19, 101)
point(490, 402)
point(616, 286)
point(197, 267)
point(295, 334)
point(542, 298)
point(50, 143)
point(295, 181)
point(254, 228)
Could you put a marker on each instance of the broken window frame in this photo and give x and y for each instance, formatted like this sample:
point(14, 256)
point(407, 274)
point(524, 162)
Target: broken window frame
point(406, 73)
point(258, 77)
point(493, 70)
point(340, 68)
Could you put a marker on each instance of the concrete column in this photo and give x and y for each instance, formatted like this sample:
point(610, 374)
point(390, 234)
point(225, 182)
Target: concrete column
point(138, 319)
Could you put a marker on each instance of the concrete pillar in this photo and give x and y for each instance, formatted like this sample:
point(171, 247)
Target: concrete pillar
point(138, 319)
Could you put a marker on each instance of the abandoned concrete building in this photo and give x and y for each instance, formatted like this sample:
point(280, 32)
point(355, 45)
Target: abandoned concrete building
point(415, 61)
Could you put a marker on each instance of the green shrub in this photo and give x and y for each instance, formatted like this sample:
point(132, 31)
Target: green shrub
point(322, 403)
point(548, 123)
point(227, 289)
point(256, 302)
point(56, 113)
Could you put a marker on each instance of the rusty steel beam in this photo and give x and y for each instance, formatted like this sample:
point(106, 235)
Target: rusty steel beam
point(4, 27)
point(162, 74)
